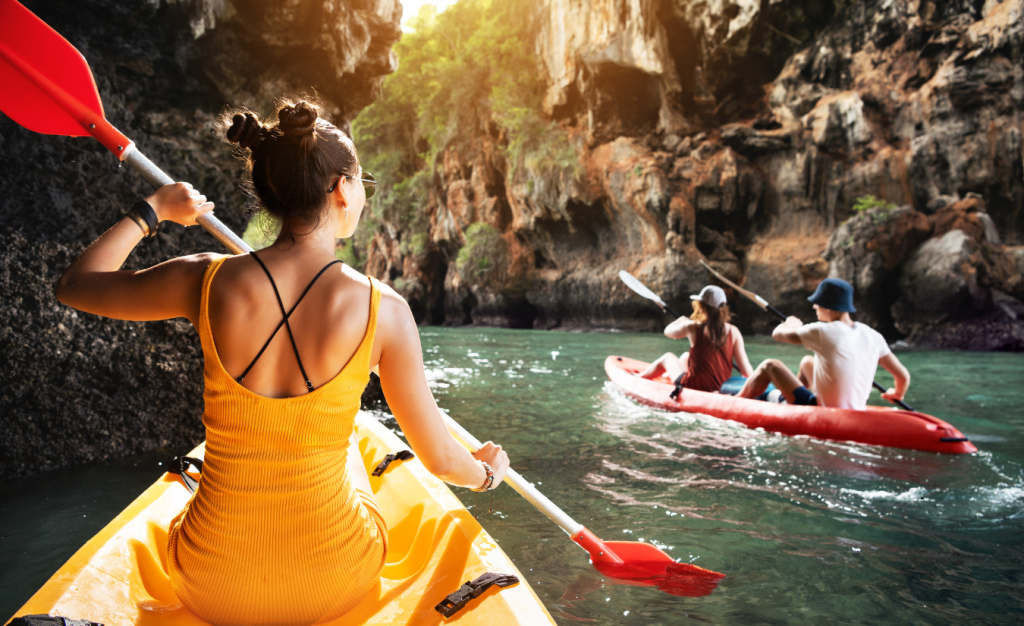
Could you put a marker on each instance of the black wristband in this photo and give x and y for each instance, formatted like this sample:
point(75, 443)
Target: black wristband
point(147, 213)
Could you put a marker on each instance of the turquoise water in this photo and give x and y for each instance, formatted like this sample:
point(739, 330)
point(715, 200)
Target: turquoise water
point(807, 531)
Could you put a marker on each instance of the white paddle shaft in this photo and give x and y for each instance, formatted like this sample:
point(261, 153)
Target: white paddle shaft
point(158, 178)
point(520, 484)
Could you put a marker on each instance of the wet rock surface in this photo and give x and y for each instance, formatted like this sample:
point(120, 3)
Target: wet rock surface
point(868, 251)
point(77, 388)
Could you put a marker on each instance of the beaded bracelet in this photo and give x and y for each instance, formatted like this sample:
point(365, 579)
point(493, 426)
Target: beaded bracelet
point(489, 481)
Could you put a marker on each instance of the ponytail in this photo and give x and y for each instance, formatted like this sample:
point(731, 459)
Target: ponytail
point(714, 320)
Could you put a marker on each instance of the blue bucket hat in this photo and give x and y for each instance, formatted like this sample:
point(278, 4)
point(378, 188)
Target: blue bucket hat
point(834, 294)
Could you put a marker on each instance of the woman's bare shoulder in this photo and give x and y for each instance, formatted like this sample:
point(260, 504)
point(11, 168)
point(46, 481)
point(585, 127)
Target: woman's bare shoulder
point(230, 269)
point(393, 306)
point(352, 274)
point(392, 302)
point(191, 267)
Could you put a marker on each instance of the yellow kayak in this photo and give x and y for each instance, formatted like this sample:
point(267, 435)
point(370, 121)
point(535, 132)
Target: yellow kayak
point(119, 578)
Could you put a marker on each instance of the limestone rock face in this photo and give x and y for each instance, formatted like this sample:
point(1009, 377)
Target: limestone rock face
point(937, 282)
point(627, 66)
point(954, 285)
point(609, 60)
point(914, 275)
point(743, 133)
point(868, 251)
point(77, 388)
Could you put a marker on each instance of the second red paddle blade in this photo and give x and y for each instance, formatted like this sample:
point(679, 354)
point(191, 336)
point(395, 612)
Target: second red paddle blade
point(646, 565)
point(47, 86)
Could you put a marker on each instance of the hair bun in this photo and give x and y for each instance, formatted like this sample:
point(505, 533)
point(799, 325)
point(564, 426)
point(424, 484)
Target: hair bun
point(297, 120)
point(247, 131)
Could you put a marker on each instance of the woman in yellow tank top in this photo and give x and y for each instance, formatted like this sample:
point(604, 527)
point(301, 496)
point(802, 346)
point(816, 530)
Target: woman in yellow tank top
point(283, 528)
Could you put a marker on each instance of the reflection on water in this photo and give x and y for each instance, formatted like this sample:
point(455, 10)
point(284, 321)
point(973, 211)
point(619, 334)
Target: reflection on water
point(807, 531)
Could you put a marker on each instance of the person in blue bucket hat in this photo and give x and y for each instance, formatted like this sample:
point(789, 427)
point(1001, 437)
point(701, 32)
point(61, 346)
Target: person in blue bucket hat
point(846, 356)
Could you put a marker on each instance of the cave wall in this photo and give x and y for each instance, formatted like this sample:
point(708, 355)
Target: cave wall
point(77, 388)
point(742, 133)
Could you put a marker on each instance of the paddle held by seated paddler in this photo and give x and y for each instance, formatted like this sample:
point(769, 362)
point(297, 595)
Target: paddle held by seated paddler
point(715, 346)
point(846, 356)
point(284, 527)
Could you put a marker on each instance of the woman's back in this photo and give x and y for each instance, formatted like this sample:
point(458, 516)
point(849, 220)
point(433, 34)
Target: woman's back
point(709, 364)
point(279, 530)
point(327, 325)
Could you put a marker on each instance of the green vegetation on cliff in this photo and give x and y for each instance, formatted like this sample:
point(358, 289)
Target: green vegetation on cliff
point(482, 257)
point(463, 74)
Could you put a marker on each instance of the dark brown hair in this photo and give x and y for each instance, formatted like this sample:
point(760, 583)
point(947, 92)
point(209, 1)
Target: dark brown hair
point(714, 320)
point(291, 163)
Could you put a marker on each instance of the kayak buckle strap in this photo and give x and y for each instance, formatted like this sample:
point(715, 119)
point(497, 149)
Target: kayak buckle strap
point(401, 455)
point(953, 439)
point(180, 464)
point(675, 392)
point(455, 602)
point(678, 382)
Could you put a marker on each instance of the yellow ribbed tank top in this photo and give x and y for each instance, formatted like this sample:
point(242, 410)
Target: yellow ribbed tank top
point(277, 533)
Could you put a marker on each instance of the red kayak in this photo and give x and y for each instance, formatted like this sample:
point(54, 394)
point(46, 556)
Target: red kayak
point(878, 426)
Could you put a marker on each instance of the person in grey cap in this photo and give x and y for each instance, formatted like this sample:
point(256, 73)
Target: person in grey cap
point(846, 356)
point(715, 345)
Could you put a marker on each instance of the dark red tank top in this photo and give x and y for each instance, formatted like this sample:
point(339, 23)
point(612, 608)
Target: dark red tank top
point(709, 365)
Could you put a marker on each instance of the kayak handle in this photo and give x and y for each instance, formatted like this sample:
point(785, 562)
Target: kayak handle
point(953, 439)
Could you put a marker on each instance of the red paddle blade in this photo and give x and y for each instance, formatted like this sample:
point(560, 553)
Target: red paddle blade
point(644, 564)
point(47, 84)
point(636, 563)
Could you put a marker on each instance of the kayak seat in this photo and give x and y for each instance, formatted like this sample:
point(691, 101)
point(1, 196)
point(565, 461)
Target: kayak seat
point(733, 385)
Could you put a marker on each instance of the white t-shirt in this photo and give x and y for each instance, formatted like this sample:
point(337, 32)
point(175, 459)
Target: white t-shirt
point(845, 361)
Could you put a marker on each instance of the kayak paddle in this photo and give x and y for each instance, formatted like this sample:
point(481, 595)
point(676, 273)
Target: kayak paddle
point(48, 88)
point(642, 290)
point(761, 302)
point(631, 562)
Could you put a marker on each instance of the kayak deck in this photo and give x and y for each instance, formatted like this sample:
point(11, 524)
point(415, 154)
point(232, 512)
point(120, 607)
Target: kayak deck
point(119, 577)
point(880, 426)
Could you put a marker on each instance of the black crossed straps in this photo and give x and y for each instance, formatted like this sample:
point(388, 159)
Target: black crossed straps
point(284, 322)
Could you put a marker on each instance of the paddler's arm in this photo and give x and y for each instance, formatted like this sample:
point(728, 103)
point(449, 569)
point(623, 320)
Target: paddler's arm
point(96, 284)
point(739, 354)
point(679, 328)
point(900, 376)
point(399, 357)
point(787, 332)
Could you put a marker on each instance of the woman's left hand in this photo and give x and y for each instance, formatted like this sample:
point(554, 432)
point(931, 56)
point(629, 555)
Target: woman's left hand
point(179, 203)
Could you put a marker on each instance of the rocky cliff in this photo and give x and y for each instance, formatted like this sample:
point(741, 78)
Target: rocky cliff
point(75, 388)
point(743, 133)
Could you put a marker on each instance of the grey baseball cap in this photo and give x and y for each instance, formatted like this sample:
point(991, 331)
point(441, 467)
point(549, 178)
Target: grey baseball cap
point(711, 296)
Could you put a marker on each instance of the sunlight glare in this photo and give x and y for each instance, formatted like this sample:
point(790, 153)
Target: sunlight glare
point(411, 7)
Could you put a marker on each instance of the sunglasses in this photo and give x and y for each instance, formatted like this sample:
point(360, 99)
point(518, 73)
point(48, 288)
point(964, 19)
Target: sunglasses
point(369, 183)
